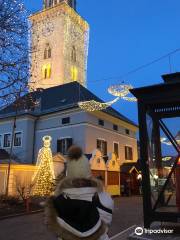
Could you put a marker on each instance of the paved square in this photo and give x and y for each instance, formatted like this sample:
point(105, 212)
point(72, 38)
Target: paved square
point(128, 212)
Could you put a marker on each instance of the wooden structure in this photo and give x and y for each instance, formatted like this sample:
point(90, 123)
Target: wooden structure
point(109, 171)
point(129, 178)
point(20, 174)
point(155, 103)
point(98, 166)
point(113, 176)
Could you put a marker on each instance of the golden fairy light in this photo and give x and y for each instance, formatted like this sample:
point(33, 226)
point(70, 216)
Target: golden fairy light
point(122, 91)
point(93, 105)
point(44, 176)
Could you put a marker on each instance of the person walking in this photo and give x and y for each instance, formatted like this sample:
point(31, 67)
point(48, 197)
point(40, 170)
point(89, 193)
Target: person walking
point(79, 209)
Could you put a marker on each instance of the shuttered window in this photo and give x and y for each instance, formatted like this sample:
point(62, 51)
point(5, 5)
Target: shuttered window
point(63, 145)
point(7, 140)
point(128, 153)
point(102, 146)
point(116, 149)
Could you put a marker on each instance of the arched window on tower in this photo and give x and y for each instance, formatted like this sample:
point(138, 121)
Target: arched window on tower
point(46, 71)
point(73, 55)
point(74, 73)
point(47, 52)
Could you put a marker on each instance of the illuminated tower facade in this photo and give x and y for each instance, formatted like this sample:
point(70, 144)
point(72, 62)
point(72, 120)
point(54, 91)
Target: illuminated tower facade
point(59, 43)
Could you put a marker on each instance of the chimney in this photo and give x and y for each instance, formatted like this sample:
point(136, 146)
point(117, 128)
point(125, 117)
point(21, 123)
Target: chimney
point(171, 78)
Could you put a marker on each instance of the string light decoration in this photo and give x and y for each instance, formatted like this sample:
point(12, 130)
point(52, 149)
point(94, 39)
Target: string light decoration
point(164, 141)
point(92, 105)
point(122, 90)
point(44, 177)
point(75, 32)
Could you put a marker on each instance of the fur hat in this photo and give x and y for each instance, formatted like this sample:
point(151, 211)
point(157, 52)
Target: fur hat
point(77, 164)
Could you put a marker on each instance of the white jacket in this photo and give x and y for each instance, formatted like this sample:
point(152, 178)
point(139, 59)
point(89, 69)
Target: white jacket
point(94, 214)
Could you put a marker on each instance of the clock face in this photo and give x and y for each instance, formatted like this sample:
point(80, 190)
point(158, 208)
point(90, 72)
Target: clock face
point(48, 29)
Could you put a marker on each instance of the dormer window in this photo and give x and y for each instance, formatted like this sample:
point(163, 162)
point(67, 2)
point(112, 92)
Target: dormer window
point(47, 52)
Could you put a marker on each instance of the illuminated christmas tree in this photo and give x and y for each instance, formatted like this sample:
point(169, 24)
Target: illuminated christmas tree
point(44, 176)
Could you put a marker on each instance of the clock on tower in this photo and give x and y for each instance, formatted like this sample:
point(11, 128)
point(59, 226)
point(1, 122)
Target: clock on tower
point(59, 45)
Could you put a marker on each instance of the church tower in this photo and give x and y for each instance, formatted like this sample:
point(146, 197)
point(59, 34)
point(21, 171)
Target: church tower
point(59, 40)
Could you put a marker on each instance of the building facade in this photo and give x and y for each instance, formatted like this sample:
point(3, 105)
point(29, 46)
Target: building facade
point(60, 117)
point(59, 40)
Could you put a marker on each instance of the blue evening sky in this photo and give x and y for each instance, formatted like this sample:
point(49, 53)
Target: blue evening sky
point(125, 34)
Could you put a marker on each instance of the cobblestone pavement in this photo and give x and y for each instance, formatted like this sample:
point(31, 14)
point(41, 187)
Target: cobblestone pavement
point(128, 212)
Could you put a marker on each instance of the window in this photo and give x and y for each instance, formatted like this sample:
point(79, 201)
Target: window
point(66, 120)
point(50, 3)
point(73, 54)
point(128, 153)
point(17, 139)
point(46, 71)
point(7, 140)
point(127, 131)
point(47, 52)
point(74, 73)
point(115, 127)
point(116, 149)
point(101, 122)
point(102, 146)
point(0, 141)
point(63, 145)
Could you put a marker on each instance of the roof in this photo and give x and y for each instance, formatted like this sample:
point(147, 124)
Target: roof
point(163, 92)
point(61, 98)
point(126, 167)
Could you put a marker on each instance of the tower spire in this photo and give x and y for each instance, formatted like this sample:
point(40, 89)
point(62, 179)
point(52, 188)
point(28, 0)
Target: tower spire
point(51, 3)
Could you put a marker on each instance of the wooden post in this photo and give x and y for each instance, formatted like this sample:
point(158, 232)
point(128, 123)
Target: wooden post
point(144, 156)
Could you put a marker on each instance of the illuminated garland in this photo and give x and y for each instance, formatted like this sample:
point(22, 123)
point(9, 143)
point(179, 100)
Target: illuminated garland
point(74, 35)
point(130, 99)
point(122, 90)
point(44, 176)
point(93, 105)
point(164, 141)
